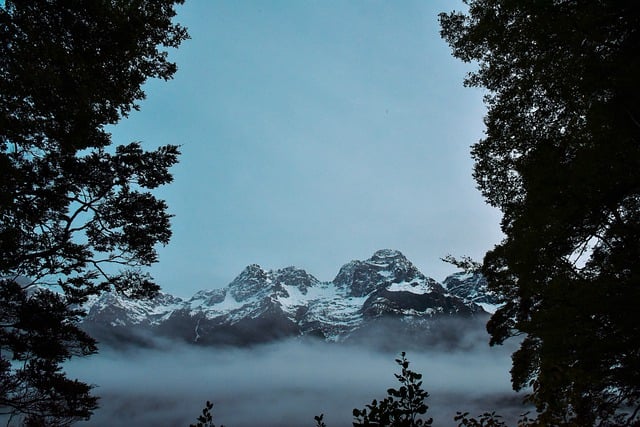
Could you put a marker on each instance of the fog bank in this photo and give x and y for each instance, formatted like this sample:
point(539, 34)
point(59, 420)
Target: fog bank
point(287, 383)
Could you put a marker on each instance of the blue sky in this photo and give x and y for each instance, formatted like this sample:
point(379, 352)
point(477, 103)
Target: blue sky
point(314, 133)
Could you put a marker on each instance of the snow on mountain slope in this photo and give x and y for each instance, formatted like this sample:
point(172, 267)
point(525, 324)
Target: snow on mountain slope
point(472, 287)
point(261, 304)
point(118, 310)
point(384, 268)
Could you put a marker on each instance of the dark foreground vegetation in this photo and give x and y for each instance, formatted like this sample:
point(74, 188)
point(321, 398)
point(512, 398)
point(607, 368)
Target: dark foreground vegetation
point(560, 159)
point(77, 216)
point(404, 406)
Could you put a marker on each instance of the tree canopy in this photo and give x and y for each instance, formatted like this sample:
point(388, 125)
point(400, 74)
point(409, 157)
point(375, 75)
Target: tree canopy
point(561, 159)
point(71, 206)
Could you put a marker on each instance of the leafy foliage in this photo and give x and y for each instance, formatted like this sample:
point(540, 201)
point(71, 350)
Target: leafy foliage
point(42, 337)
point(402, 407)
point(560, 159)
point(206, 418)
point(319, 420)
point(488, 419)
point(464, 263)
point(72, 209)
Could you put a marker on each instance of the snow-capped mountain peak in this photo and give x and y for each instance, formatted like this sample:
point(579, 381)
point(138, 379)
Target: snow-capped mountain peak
point(253, 280)
point(260, 305)
point(387, 255)
point(385, 268)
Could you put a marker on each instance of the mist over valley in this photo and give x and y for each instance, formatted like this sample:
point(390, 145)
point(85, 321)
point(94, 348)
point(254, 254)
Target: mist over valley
point(277, 347)
point(288, 382)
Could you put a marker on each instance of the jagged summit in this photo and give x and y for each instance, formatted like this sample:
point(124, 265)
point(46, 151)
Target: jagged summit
point(384, 268)
point(251, 281)
point(254, 281)
point(295, 277)
point(261, 305)
point(383, 255)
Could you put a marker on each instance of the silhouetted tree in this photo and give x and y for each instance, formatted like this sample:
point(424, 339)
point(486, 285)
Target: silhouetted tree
point(403, 407)
point(72, 207)
point(561, 159)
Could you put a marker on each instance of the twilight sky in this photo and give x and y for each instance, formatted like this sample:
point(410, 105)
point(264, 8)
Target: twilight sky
point(314, 133)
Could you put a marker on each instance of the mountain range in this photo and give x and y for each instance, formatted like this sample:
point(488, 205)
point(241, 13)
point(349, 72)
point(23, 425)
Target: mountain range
point(265, 305)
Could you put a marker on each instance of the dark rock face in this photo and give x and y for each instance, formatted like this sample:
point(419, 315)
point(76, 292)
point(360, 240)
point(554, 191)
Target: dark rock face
point(210, 297)
point(250, 282)
point(260, 306)
point(387, 303)
point(295, 277)
point(385, 267)
point(271, 325)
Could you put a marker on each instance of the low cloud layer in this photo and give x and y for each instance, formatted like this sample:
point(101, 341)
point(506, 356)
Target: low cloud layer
point(286, 384)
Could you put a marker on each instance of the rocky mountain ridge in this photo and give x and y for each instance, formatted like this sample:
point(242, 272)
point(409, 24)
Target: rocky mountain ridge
point(264, 305)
